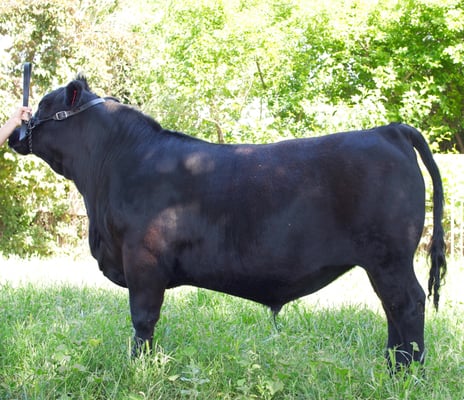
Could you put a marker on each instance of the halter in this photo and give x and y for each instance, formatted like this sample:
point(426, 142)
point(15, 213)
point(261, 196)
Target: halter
point(59, 116)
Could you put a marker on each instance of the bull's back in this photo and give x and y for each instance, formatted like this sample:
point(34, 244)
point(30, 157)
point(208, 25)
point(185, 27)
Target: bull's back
point(333, 182)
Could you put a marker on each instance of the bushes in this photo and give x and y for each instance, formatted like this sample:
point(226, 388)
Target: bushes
point(452, 173)
point(37, 210)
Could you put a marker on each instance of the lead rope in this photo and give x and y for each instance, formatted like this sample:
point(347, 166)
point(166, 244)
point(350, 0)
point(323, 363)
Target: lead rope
point(27, 68)
point(29, 142)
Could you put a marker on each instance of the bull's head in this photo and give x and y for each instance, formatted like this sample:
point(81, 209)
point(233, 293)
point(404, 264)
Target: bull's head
point(49, 134)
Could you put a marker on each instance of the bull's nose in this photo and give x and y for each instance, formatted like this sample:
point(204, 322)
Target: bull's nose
point(14, 143)
point(14, 138)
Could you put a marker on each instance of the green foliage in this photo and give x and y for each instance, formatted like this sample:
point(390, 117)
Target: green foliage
point(377, 62)
point(238, 70)
point(452, 172)
point(253, 70)
point(418, 67)
point(34, 208)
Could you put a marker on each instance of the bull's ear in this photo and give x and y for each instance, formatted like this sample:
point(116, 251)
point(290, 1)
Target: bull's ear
point(74, 92)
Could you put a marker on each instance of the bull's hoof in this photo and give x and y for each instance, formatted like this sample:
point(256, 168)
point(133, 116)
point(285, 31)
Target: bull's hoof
point(400, 360)
point(141, 347)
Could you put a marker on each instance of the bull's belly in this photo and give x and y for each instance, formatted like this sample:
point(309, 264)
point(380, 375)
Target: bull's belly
point(272, 290)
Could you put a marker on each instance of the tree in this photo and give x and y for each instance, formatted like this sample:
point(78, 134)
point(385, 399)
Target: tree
point(377, 62)
point(418, 62)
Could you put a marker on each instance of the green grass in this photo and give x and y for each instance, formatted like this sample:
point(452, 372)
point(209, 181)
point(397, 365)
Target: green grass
point(70, 342)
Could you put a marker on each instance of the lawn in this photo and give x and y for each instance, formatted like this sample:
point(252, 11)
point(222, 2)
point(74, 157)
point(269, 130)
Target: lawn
point(65, 333)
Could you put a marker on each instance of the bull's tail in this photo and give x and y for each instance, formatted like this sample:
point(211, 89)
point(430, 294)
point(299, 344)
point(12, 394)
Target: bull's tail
point(437, 243)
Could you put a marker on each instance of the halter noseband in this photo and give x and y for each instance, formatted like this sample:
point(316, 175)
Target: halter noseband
point(59, 116)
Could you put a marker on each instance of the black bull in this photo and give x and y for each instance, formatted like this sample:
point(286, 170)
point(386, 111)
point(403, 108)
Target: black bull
point(269, 223)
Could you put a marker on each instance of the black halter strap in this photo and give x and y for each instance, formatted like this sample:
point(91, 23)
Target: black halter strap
point(62, 115)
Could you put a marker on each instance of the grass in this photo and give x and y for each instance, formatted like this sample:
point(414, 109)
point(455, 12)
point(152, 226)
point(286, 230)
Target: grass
point(66, 341)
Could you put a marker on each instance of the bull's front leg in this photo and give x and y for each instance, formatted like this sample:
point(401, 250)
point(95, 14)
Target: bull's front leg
point(145, 306)
point(146, 292)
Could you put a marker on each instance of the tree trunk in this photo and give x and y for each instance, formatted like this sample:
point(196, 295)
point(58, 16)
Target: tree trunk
point(220, 134)
point(459, 142)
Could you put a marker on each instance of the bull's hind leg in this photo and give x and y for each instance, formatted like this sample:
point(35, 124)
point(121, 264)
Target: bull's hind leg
point(403, 300)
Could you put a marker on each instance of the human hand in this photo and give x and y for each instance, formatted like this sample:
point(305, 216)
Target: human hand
point(21, 114)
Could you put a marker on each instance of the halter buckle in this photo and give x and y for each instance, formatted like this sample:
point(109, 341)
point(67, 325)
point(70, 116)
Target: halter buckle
point(61, 115)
